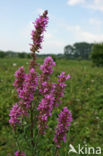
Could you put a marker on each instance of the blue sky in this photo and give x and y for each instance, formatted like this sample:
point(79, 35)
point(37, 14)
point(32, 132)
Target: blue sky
point(69, 21)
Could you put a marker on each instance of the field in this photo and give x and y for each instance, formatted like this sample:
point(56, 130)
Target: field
point(83, 96)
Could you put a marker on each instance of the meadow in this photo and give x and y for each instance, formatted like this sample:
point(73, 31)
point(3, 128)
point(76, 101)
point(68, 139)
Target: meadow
point(83, 96)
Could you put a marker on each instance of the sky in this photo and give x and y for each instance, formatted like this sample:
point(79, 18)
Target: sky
point(70, 21)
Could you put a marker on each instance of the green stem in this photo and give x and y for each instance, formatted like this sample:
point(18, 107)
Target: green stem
point(15, 136)
point(32, 125)
point(57, 152)
point(31, 129)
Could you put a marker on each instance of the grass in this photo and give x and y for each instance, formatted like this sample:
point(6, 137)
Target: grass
point(83, 96)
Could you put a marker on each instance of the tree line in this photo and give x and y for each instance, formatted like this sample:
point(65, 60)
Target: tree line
point(4, 54)
point(14, 54)
point(80, 50)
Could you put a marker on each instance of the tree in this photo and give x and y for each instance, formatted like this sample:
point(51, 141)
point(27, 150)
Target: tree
point(78, 50)
point(22, 55)
point(97, 54)
point(2, 54)
point(82, 49)
point(69, 51)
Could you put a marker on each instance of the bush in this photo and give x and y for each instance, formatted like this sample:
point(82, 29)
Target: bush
point(97, 54)
point(22, 55)
point(2, 54)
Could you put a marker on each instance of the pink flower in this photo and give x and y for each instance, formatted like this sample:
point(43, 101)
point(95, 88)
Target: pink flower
point(64, 121)
point(19, 153)
point(29, 87)
point(45, 107)
point(15, 113)
point(20, 77)
point(47, 88)
point(37, 34)
point(63, 77)
point(59, 87)
point(47, 66)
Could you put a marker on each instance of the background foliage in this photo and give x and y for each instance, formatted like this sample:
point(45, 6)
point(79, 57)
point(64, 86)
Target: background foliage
point(97, 54)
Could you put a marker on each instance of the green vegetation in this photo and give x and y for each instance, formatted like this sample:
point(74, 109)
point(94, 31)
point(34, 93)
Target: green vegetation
point(97, 54)
point(83, 96)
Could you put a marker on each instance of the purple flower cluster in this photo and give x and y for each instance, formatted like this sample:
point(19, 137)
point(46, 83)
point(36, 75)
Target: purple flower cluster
point(20, 77)
point(45, 107)
point(29, 87)
point(15, 113)
point(37, 34)
point(26, 93)
point(60, 86)
point(61, 82)
point(19, 153)
point(64, 121)
point(47, 88)
point(47, 66)
point(51, 90)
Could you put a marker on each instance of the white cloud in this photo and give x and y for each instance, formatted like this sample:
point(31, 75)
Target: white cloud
point(96, 5)
point(82, 35)
point(92, 4)
point(95, 21)
point(74, 2)
point(75, 28)
point(53, 46)
point(48, 35)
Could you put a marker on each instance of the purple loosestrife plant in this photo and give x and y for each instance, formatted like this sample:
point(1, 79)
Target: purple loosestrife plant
point(64, 121)
point(38, 98)
point(15, 113)
point(37, 35)
point(19, 153)
point(20, 77)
